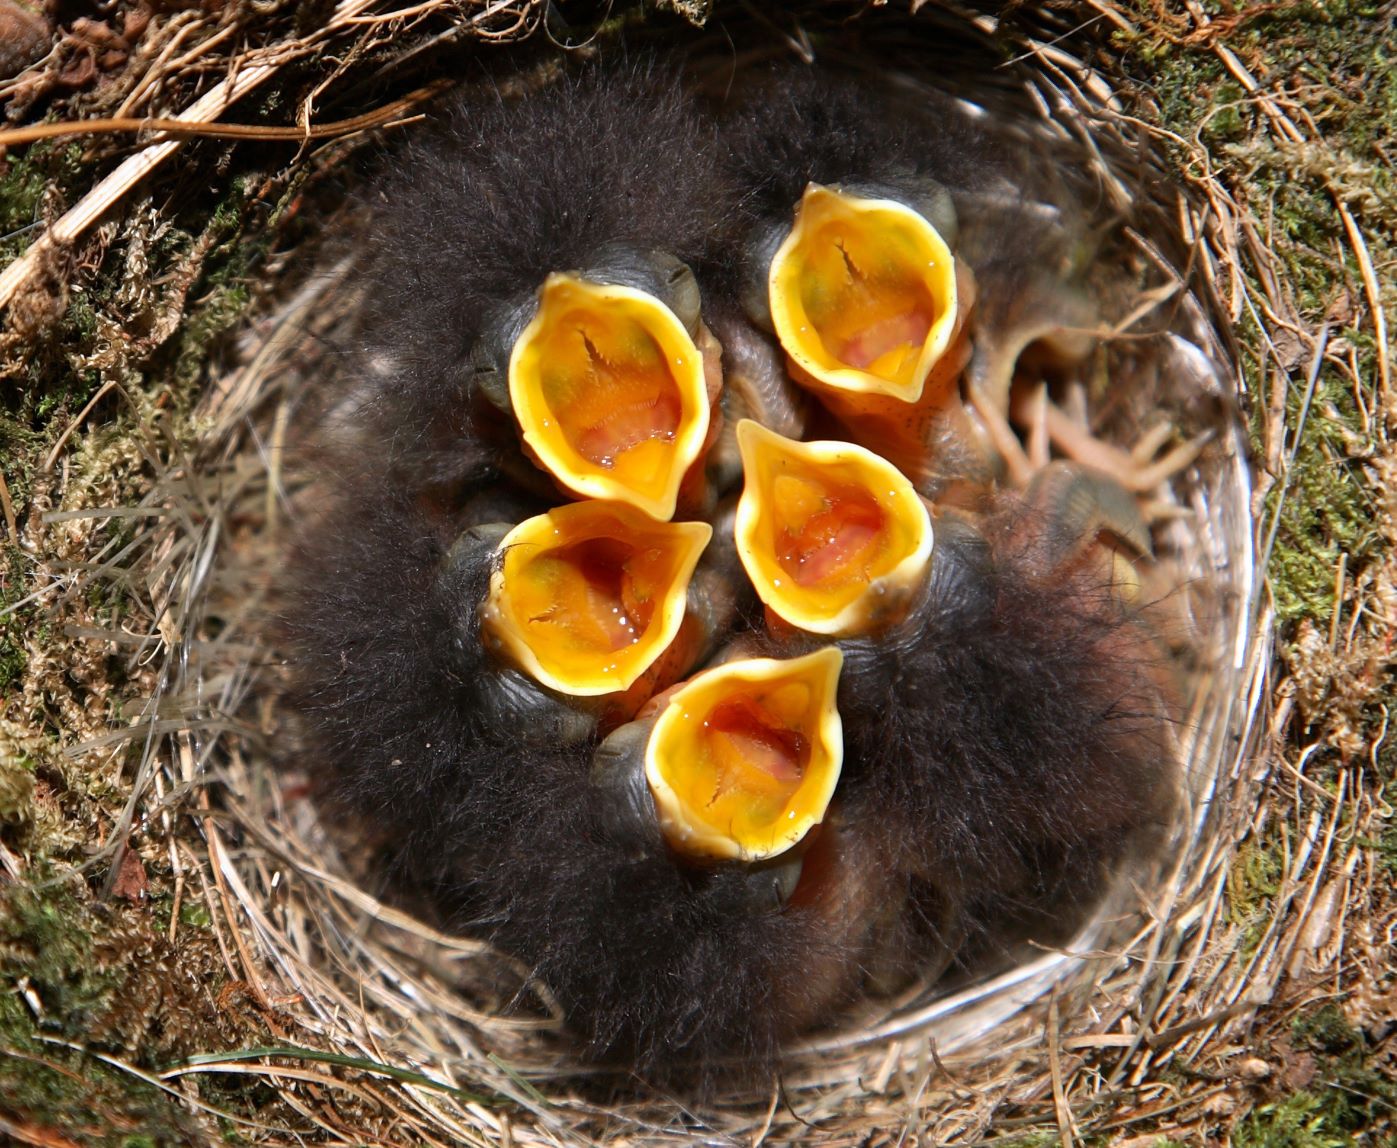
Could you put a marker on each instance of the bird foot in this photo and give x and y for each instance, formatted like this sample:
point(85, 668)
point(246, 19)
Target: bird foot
point(1141, 469)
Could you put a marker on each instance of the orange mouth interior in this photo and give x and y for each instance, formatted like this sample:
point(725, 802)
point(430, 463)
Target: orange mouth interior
point(826, 529)
point(868, 309)
point(826, 534)
point(594, 592)
point(589, 595)
point(863, 294)
point(609, 392)
point(750, 756)
point(748, 761)
point(753, 754)
point(610, 388)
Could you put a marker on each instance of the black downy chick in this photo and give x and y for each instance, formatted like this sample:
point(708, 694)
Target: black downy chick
point(995, 196)
point(1009, 742)
point(1004, 745)
point(479, 778)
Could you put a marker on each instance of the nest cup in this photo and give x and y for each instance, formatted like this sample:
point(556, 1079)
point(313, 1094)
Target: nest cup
point(1162, 355)
point(1166, 357)
point(357, 970)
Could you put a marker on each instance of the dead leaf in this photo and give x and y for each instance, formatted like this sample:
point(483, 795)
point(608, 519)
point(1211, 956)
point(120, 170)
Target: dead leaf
point(24, 37)
point(1298, 1071)
point(131, 883)
point(1291, 349)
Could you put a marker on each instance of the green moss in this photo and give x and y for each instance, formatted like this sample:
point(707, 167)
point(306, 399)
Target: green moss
point(91, 967)
point(16, 789)
point(239, 238)
point(195, 914)
point(217, 314)
point(1341, 50)
point(99, 976)
point(39, 413)
point(1326, 1030)
point(63, 1096)
point(1251, 884)
point(1253, 881)
point(23, 182)
point(1350, 1100)
point(1232, 114)
point(1385, 846)
point(1298, 1121)
point(1328, 512)
point(46, 934)
point(22, 189)
point(13, 626)
point(1038, 1139)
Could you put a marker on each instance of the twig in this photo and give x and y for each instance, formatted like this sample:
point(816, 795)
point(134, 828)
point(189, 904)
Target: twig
point(185, 129)
point(1374, 293)
point(1316, 364)
point(9, 507)
point(102, 392)
point(1060, 1106)
point(156, 1082)
point(132, 170)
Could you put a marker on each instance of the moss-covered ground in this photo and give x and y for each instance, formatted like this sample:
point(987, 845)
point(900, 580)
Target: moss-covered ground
point(1326, 470)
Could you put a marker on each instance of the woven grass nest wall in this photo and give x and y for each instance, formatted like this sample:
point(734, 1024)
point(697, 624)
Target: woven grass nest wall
point(185, 954)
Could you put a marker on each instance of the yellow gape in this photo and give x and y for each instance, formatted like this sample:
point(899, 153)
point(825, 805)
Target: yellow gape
point(744, 758)
point(609, 392)
point(834, 538)
point(862, 295)
point(589, 595)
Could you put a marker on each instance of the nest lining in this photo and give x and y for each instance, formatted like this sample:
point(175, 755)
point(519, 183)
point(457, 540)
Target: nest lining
point(341, 970)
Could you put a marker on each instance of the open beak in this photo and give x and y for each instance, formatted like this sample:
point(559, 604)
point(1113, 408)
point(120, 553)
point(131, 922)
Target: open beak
point(834, 538)
point(743, 759)
point(588, 596)
point(863, 295)
point(610, 393)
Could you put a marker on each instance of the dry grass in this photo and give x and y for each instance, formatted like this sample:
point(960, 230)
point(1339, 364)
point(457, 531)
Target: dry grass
point(178, 934)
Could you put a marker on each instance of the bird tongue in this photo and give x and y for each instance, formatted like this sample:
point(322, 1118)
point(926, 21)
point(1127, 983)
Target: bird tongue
point(827, 534)
point(888, 347)
point(627, 425)
point(754, 751)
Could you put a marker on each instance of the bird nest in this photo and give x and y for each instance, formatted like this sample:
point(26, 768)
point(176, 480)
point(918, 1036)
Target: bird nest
point(215, 954)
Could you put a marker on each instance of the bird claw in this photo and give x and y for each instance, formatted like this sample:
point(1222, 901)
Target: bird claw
point(1140, 470)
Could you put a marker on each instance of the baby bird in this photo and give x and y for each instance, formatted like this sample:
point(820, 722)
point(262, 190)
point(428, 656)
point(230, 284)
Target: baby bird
point(1009, 727)
point(716, 729)
point(475, 768)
